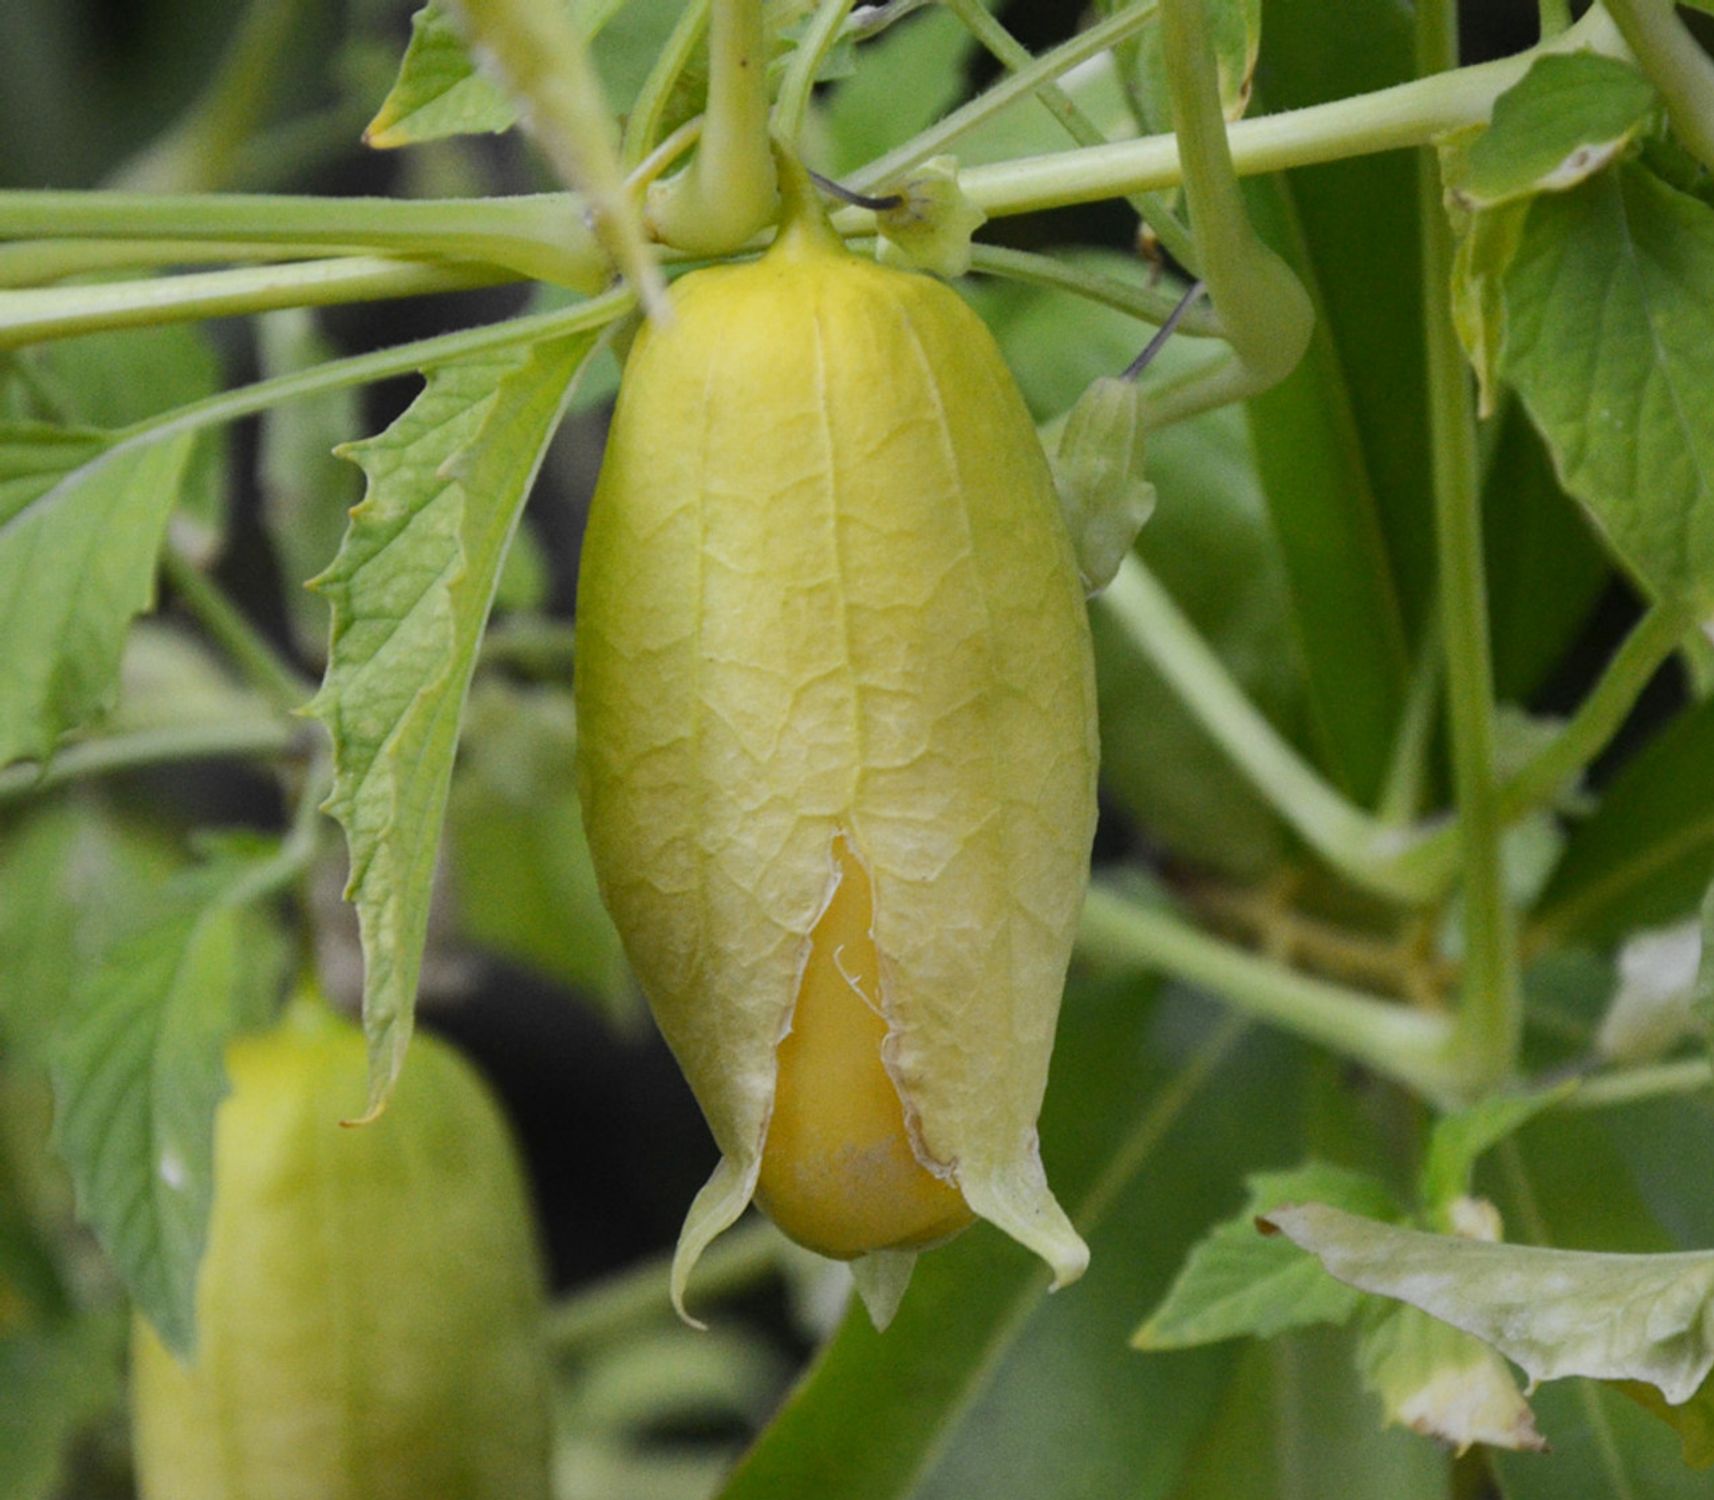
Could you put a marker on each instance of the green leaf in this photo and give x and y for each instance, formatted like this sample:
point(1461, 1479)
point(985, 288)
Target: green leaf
point(57, 1378)
point(68, 870)
point(982, 1386)
point(1693, 1421)
point(137, 1076)
point(411, 590)
point(1601, 1445)
point(1322, 500)
point(1647, 855)
point(1610, 342)
point(438, 91)
point(1566, 119)
point(520, 863)
point(112, 379)
point(1442, 1383)
point(1239, 1282)
point(1357, 223)
point(81, 523)
point(1236, 27)
point(1554, 1312)
point(1459, 1141)
point(1294, 1425)
point(307, 493)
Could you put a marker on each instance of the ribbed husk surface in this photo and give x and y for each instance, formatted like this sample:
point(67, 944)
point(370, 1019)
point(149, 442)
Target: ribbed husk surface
point(826, 590)
point(369, 1307)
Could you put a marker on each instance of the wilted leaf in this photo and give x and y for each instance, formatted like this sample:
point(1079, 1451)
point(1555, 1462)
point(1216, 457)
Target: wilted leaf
point(1554, 1312)
point(1442, 1383)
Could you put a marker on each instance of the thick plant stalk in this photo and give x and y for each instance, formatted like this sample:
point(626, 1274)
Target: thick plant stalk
point(545, 61)
point(1490, 1017)
point(727, 193)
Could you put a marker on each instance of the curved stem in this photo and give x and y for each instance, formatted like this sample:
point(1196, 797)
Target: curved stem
point(1408, 114)
point(1145, 303)
point(542, 235)
point(383, 364)
point(39, 314)
point(1597, 719)
point(1676, 65)
point(1635, 1085)
point(729, 190)
point(817, 40)
point(1009, 90)
point(1490, 1015)
point(302, 842)
point(1263, 309)
point(1407, 774)
point(1150, 207)
point(1355, 844)
point(644, 122)
point(222, 619)
point(1406, 1045)
point(139, 749)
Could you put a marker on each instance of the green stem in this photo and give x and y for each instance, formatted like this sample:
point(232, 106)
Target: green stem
point(1408, 114)
point(889, 168)
point(1406, 785)
point(1351, 841)
point(383, 364)
point(1145, 303)
point(1409, 1046)
point(39, 314)
point(222, 619)
point(812, 48)
point(138, 749)
point(1490, 1017)
point(1676, 65)
point(1598, 718)
point(301, 844)
point(544, 59)
point(1263, 309)
point(616, 1305)
point(541, 235)
point(1635, 1085)
point(1014, 56)
point(30, 263)
point(1555, 16)
point(643, 125)
point(729, 190)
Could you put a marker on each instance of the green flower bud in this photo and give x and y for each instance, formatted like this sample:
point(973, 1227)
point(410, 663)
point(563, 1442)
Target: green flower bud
point(1099, 471)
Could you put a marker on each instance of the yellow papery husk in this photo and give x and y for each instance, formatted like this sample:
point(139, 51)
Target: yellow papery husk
point(827, 593)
